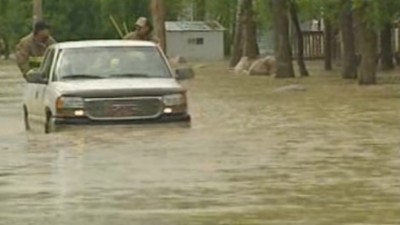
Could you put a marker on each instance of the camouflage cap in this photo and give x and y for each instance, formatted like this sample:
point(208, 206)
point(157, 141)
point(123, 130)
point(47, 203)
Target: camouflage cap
point(141, 22)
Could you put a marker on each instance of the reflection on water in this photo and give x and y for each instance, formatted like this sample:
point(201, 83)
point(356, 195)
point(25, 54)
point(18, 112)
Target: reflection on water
point(329, 155)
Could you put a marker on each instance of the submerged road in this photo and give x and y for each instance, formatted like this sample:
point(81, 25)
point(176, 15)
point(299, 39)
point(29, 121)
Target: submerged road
point(327, 155)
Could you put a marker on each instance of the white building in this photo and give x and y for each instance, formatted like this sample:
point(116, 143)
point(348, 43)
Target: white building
point(195, 40)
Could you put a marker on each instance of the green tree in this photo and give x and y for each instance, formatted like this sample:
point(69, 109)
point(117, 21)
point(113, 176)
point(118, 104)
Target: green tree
point(199, 10)
point(371, 16)
point(282, 41)
point(346, 24)
point(224, 12)
point(293, 11)
point(15, 19)
point(250, 46)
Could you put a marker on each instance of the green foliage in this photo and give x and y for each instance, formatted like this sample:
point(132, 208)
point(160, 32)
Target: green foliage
point(174, 9)
point(377, 13)
point(263, 13)
point(223, 11)
point(77, 19)
point(15, 18)
point(89, 19)
point(312, 9)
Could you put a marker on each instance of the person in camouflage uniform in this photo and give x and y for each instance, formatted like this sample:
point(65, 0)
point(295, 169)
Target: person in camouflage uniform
point(31, 48)
point(143, 31)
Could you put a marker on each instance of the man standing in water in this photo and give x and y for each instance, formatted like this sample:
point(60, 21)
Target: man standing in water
point(143, 31)
point(31, 48)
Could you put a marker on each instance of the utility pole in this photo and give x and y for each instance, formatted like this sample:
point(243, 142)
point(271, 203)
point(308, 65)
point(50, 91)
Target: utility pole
point(158, 12)
point(37, 11)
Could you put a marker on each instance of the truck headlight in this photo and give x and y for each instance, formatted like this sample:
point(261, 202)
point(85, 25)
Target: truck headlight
point(174, 99)
point(69, 103)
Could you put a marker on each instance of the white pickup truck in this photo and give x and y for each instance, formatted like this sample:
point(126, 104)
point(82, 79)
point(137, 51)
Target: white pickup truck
point(102, 82)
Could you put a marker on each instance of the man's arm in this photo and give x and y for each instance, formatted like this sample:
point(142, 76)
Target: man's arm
point(52, 41)
point(156, 40)
point(130, 36)
point(22, 56)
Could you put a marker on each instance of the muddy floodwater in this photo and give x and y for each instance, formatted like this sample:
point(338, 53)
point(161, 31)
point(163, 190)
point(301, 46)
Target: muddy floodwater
point(326, 155)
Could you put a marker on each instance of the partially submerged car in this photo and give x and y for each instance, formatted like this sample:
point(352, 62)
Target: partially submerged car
point(106, 81)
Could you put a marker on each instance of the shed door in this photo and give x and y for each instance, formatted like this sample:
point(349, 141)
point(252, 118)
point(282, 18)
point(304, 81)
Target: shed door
point(195, 45)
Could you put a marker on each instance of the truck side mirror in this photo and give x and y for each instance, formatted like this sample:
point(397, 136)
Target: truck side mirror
point(36, 77)
point(186, 73)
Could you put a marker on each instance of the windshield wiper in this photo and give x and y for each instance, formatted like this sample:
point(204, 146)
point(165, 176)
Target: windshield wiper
point(129, 75)
point(82, 76)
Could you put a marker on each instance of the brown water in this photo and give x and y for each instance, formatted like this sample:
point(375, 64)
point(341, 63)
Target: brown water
point(329, 155)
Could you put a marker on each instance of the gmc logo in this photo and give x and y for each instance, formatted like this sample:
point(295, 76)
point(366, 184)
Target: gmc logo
point(122, 110)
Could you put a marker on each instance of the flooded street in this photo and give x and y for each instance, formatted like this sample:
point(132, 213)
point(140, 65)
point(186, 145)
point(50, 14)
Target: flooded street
point(327, 155)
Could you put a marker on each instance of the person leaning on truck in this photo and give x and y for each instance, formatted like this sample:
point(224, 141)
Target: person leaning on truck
point(31, 48)
point(143, 31)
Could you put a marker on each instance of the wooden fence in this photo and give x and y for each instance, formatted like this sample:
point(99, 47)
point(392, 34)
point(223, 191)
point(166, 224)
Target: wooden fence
point(313, 42)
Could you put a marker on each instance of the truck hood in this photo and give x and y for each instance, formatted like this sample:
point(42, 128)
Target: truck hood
point(118, 87)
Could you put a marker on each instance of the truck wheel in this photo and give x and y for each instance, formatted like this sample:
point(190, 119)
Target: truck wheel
point(26, 119)
point(49, 126)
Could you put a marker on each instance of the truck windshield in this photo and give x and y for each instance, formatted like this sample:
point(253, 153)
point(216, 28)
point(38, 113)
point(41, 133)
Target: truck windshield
point(111, 63)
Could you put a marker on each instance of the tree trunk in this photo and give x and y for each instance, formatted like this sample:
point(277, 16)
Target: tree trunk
point(254, 35)
point(368, 39)
point(158, 13)
point(300, 41)
point(250, 46)
point(349, 59)
point(199, 10)
point(37, 11)
point(282, 42)
point(387, 62)
point(328, 44)
point(237, 50)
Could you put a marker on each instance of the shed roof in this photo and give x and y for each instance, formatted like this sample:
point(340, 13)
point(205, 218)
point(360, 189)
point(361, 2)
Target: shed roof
point(181, 26)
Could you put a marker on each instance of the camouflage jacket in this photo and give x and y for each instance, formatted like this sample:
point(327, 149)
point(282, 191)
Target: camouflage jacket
point(135, 36)
point(29, 52)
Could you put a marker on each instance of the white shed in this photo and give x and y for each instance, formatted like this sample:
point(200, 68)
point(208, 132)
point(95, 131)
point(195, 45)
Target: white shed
point(195, 40)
